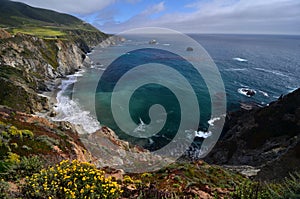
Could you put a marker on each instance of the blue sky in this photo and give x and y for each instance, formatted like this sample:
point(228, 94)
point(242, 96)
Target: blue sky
point(188, 16)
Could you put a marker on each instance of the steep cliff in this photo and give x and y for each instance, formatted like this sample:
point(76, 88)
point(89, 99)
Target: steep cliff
point(29, 63)
point(37, 46)
point(267, 138)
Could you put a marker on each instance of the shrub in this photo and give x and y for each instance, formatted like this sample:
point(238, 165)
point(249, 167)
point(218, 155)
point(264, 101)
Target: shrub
point(29, 166)
point(3, 189)
point(250, 190)
point(14, 167)
point(289, 188)
point(48, 140)
point(71, 180)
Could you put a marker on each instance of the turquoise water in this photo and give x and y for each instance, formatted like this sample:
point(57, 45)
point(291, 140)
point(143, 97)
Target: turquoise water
point(269, 65)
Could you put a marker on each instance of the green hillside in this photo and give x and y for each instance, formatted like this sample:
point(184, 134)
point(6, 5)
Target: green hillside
point(18, 17)
point(16, 14)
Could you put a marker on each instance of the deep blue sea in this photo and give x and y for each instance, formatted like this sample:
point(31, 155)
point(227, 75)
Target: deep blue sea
point(267, 64)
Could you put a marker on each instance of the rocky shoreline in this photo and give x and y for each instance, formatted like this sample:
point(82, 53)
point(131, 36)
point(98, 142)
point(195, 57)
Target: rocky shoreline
point(267, 139)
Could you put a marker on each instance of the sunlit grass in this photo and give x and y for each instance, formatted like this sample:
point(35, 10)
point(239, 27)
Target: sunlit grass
point(39, 31)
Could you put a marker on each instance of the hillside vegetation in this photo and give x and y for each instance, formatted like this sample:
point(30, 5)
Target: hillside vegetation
point(16, 17)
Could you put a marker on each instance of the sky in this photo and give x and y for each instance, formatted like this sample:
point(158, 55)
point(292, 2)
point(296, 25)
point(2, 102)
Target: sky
point(187, 16)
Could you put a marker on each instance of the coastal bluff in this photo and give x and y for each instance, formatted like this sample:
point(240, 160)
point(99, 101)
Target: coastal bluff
point(268, 139)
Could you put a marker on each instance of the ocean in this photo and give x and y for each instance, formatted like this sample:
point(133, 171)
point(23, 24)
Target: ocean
point(267, 65)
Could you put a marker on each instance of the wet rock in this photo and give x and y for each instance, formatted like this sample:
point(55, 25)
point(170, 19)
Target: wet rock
point(52, 113)
point(153, 41)
point(189, 49)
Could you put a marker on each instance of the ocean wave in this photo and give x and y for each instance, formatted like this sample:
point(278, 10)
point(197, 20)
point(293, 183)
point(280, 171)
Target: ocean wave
point(264, 93)
point(275, 72)
point(202, 134)
point(70, 110)
point(239, 59)
point(141, 127)
point(166, 44)
point(150, 141)
point(291, 89)
point(78, 75)
point(211, 121)
point(235, 69)
point(243, 85)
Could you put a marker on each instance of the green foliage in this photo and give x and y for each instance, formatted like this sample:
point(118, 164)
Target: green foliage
point(71, 180)
point(4, 168)
point(250, 190)
point(13, 158)
point(288, 189)
point(29, 166)
point(10, 136)
point(3, 189)
point(47, 140)
point(14, 167)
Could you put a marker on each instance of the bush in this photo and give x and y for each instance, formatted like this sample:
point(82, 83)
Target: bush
point(48, 140)
point(3, 189)
point(250, 190)
point(289, 188)
point(71, 180)
point(29, 166)
point(14, 167)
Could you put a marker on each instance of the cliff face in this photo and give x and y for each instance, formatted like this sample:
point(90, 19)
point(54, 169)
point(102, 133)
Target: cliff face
point(29, 64)
point(266, 138)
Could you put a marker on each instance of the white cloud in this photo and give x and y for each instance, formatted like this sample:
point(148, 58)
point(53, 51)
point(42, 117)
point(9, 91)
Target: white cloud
point(139, 20)
point(222, 16)
point(154, 9)
point(225, 16)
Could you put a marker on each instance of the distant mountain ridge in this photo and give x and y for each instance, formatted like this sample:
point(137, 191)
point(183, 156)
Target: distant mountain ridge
point(17, 13)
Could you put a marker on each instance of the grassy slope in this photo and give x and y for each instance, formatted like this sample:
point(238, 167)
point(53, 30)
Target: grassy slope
point(18, 17)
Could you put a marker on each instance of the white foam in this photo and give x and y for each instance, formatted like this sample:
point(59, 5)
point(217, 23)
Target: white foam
point(244, 91)
point(77, 75)
point(211, 121)
point(202, 134)
point(150, 141)
point(166, 44)
point(264, 93)
point(243, 85)
point(235, 69)
point(239, 59)
point(292, 89)
point(70, 110)
point(272, 71)
point(141, 127)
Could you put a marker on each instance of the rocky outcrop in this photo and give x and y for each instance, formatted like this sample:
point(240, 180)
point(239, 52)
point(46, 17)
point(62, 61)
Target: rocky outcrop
point(4, 34)
point(112, 152)
point(267, 138)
